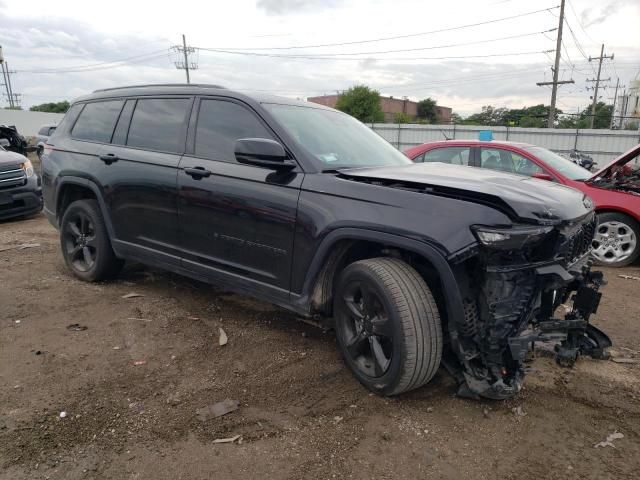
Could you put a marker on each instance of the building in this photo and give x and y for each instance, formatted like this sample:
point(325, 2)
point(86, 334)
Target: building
point(628, 107)
point(390, 107)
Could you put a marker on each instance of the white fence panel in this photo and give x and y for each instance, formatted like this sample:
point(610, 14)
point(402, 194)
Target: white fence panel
point(28, 123)
point(602, 145)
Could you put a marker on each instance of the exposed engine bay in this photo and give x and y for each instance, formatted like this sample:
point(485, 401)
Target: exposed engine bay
point(624, 178)
point(516, 292)
point(11, 140)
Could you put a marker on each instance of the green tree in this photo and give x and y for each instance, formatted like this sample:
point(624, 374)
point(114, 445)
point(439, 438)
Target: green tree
point(362, 103)
point(427, 110)
point(456, 119)
point(52, 107)
point(583, 119)
point(489, 116)
point(401, 117)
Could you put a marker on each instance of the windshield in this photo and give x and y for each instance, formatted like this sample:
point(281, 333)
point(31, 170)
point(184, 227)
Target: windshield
point(336, 139)
point(563, 165)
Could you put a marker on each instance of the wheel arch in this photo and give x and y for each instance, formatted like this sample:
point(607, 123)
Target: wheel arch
point(345, 245)
point(71, 189)
point(628, 213)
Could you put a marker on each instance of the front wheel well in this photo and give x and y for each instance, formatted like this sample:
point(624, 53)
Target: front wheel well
point(619, 212)
point(346, 251)
point(69, 193)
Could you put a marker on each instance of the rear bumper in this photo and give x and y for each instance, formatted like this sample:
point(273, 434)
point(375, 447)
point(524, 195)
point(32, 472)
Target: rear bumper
point(24, 200)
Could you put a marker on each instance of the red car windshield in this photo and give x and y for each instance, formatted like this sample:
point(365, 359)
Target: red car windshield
point(562, 165)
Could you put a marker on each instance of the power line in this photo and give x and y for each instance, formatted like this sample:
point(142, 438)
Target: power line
point(396, 37)
point(100, 65)
point(332, 55)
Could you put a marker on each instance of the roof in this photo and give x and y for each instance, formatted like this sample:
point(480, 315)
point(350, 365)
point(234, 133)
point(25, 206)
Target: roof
point(193, 89)
point(481, 142)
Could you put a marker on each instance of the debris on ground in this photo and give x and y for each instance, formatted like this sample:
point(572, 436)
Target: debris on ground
point(132, 295)
point(63, 414)
point(140, 362)
point(228, 440)
point(76, 327)
point(518, 411)
point(337, 419)
point(217, 409)
point(609, 441)
point(629, 277)
point(223, 339)
point(625, 360)
point(173, 399)
point(27, 245)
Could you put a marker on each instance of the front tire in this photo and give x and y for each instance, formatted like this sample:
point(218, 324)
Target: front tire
point(387, 325)
point(86, 247)
point(617, 240)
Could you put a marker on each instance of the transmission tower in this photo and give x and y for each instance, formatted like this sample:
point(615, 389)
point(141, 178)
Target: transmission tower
point(185, 63)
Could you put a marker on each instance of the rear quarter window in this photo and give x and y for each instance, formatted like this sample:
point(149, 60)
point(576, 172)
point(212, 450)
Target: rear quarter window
point(97, 121)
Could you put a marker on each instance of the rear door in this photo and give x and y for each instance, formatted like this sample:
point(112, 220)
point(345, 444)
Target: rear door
point(140, 175)
point(455, 155)
point(504, 160)
point(235, 220)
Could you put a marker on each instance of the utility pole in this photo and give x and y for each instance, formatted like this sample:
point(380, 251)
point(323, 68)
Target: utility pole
point(5, 77)
point(185, 52)
point(615, 100)
point(556, 67)
point(597, 80)
point(623, 107)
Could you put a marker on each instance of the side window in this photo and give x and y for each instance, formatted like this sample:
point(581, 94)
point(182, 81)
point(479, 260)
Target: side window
point(97, 120)
point(452, 155)
point(43, 131)
point(419, 158)
point(507, 161)
point(51, 130)
point(524, 166)
point(220, 124)
point(159, 124)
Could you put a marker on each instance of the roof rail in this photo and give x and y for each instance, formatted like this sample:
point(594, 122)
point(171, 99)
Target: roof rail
point(200, 85)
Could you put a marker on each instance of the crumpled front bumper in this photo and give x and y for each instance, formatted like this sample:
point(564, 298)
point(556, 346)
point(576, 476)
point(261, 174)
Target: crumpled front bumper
point(519, 309)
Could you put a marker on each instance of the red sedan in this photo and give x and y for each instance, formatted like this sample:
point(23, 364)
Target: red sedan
point(615, 189)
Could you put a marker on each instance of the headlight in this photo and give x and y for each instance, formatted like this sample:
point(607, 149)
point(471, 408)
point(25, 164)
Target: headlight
point(28, 168)
point(513, 238)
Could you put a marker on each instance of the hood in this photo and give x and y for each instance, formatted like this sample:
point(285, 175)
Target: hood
point(621, 160)
point(7, 157)
point(521, 198)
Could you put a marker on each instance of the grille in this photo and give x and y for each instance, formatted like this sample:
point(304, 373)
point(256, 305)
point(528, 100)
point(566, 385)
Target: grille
point(12, 175)
point(580, 242)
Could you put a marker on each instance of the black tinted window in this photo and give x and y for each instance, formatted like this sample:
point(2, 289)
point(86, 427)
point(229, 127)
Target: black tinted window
point(159, 124)
point(220, 124)
point(120, 134)
point(97, 120)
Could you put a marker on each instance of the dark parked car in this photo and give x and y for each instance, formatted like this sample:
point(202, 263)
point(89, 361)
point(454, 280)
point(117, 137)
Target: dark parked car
point(305, 207)
point(20, 190)
point(615, 189)
point(41, 138)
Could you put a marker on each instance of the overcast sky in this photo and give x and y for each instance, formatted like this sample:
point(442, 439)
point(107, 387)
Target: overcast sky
point(62, 49)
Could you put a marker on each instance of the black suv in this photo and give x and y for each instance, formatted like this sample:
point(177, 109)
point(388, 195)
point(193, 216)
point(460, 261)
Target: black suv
point(305, 207)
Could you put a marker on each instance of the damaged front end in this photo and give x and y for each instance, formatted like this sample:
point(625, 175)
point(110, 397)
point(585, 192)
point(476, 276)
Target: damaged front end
point(512, 284)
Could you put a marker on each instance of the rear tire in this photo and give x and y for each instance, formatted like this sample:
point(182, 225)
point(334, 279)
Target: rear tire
point(85, 243)
point(387, 325)
point(617, 240)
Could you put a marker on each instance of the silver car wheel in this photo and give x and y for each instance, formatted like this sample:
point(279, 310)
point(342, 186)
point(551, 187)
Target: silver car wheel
point(613, 242)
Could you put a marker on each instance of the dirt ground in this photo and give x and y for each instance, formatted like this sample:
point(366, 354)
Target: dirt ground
point(133, 382)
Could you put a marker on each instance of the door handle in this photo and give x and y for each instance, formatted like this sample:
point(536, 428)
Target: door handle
point(109, 158)
point(197, 172)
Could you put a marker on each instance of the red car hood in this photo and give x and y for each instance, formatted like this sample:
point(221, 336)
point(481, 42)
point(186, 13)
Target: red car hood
point(621, 160)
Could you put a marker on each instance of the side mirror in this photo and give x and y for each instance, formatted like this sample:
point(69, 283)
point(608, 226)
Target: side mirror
point(543, 176)
point(262, 152)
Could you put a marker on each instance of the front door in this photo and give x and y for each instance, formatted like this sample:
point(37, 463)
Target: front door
point(236, 221)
